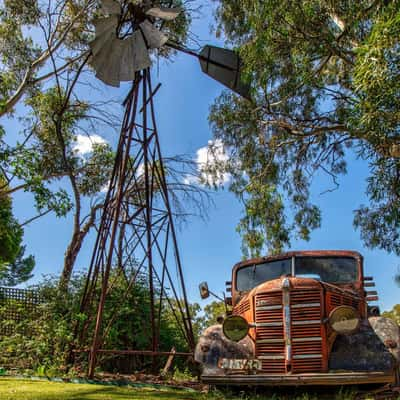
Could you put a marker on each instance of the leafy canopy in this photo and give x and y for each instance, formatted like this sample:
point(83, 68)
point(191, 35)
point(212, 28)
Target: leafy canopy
point(393, 314)
point(325, 79)
point(14, 268)
point(44, 52)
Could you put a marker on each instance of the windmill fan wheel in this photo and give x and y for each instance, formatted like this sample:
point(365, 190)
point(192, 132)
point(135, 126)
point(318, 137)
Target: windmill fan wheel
point(118, 55)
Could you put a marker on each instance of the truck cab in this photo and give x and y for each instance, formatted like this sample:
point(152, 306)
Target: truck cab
point(301, 318)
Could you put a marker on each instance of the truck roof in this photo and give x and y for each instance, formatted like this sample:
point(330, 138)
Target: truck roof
point(301, 253)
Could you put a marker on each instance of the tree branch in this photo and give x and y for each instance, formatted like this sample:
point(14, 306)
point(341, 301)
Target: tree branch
point(26, 81)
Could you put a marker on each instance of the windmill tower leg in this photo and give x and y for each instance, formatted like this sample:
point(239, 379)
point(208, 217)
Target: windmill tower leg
point(137, 216)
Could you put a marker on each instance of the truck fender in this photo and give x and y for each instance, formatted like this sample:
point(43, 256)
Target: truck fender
point(364, 350)
point(389, 333)
point(214, 345)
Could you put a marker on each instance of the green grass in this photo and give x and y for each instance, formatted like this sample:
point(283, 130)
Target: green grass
point(12, 389)
point(24, 389)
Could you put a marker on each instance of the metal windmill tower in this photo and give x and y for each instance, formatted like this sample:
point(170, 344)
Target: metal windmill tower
point(137, 227)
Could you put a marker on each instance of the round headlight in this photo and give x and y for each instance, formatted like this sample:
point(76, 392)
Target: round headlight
point(344, 320)
point(235, 328)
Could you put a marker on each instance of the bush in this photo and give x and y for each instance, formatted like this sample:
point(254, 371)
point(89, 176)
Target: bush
point(44, 341)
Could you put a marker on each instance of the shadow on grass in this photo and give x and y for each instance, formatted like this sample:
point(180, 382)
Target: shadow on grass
point(289, 393)
point(117, 394)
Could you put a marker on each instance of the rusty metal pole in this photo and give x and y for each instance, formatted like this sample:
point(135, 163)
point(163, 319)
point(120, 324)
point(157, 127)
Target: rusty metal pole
point(148, 222)
point(116, 209)
point(187, 317)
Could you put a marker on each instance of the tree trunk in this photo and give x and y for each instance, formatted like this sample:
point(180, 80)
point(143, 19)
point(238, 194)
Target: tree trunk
point(70, 257)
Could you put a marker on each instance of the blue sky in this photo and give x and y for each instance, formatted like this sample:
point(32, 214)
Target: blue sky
point(209, 249)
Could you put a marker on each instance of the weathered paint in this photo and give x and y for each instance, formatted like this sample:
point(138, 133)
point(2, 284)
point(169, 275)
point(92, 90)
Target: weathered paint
point(361, 351)
point(389, 333)
point(290, 333)
point(213, 345)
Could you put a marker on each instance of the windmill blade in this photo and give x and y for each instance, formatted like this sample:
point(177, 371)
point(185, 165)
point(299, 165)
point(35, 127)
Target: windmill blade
point(108, 63)
point(224, 66)
point(110, 7)
point(127, 73)
point(107, 24)
point(105, 29)
point(168, 14)
point(154, 38)
point(111, 72)
point(141, 58)
point(115, 59)
point(101, 57)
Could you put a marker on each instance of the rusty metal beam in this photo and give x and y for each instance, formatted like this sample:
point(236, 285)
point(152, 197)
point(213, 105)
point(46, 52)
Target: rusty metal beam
point(138, 352)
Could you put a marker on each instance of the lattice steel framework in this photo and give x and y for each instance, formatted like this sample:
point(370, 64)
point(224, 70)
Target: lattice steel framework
point(137, 227)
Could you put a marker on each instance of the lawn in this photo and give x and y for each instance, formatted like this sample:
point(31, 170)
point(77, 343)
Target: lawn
point(24, 389)
point(12, 389)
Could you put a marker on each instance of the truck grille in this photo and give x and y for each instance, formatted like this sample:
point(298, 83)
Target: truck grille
point(306, 331)
point(242, 308)
point(335, 299)
point(270, 346)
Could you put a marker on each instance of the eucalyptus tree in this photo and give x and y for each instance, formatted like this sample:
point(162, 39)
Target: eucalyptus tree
point(325, 80)
point(14, 267)
point(47, 88)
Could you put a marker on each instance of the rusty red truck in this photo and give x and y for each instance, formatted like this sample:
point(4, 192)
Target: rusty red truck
point(301, 318)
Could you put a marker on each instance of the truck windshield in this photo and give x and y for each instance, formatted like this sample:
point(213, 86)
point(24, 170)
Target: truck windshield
point(325, 269)
point(252, 275)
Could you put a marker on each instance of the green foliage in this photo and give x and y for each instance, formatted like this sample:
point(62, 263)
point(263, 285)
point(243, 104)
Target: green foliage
point(324, 78)
point(212, 312)
point(183, 376)
point(393, 314)
point(378, 113)
point(18, 271)
point(14, 269)
point(17, 50)
point(10, 231)
point(43, 339)
point(43, 52)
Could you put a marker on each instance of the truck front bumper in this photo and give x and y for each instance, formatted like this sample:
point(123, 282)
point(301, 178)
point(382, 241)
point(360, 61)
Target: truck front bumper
point(317, 379)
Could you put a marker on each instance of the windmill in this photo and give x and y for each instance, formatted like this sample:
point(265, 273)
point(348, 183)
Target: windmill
point(137, 226)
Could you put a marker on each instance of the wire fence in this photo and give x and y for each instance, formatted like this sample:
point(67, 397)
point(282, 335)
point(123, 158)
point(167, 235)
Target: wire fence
point(15, 306)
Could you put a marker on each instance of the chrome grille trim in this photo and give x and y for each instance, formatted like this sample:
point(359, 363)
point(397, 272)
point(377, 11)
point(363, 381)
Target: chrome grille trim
point(265, 357)
point(309, 322)
point(303, 356)
point(306, 305)
point(266, 324)
point(267, 308)
point(309, 339)
point(261, 341)
point(287, 318)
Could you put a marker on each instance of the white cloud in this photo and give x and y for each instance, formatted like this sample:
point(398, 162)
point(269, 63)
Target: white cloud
point(104, 189)
point(84, 143)
point(210, 161)
point(139, 170)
